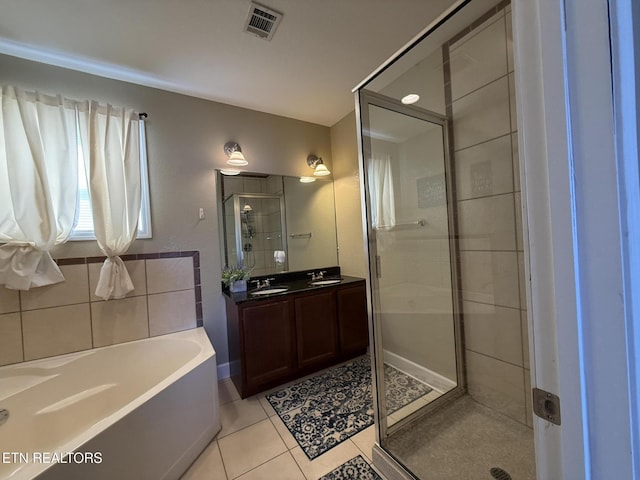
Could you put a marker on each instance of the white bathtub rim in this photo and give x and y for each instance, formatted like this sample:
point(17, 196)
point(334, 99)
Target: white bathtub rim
point(32, 470)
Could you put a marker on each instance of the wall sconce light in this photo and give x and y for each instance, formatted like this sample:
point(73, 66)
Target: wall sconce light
point(229, 171)
point(320, 169)
point(307, 179)
point(233, 151)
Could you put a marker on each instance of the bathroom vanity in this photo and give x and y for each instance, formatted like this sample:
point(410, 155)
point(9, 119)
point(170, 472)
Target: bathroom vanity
point(274, 338)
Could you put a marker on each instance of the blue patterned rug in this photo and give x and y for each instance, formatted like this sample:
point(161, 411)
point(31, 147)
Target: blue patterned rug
point(325, 410)
point(355, 469)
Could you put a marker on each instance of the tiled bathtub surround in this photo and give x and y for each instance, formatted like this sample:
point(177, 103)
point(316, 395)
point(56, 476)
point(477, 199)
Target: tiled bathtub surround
point(69, 317)
point(481, 100)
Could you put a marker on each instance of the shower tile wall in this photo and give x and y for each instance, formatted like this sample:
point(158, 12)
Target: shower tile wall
point(480, 99)
point(267, 223)
point(68, 317)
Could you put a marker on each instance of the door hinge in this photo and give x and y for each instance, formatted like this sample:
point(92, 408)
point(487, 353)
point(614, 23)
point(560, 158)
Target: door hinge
point(546, 405)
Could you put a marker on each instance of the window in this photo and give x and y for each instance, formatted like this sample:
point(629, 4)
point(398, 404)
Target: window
point(83, 228)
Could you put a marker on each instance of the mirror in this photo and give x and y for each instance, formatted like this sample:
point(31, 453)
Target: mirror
point(274, 223)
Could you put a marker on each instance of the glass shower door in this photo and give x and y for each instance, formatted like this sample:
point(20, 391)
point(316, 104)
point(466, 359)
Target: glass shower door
point(255, 232)
point(410, 243)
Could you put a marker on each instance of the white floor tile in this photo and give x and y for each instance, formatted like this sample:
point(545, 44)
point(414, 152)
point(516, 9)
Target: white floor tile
point(365, 440)
point(208, 466)
point(250, 447)
point(284, 432)
point(314, 469)
point(240, 414)
point(227, 391)
point(282, 467)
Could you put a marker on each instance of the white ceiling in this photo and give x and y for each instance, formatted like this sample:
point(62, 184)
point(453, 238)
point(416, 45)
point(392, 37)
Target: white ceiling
point(321, 50)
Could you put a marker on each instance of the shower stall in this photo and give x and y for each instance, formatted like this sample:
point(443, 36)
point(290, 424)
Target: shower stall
point(440, 175)
point(254, 229)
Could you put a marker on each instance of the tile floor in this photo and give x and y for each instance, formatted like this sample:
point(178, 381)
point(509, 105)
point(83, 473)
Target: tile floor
point(254, 444)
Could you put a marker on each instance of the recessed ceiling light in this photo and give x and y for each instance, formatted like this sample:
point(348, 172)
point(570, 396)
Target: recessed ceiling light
point(411, 98)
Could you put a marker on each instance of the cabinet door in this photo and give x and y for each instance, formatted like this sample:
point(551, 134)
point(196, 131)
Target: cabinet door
point(269, 342)
point(352, 319)
point(316, 328)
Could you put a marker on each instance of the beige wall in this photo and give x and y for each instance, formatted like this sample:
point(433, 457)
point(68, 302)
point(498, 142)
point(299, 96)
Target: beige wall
point(185, 136)
point(346, 183)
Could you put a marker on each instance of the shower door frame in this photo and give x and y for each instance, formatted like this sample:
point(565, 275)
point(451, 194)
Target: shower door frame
point(365, 98)
point(238, 225)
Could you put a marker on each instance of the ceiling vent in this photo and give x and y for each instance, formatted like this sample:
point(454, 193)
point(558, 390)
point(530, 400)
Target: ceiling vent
point(262, 21)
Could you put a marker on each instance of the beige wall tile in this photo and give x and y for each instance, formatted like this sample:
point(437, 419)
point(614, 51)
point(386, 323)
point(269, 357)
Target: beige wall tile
point(516, 161)
point(54, 331)
point(136, 269)
point(250, 447)
point(526, 362)
point(487, 223)
point(117, 321)
point(512, 103)
point(10, 339)
point(482, 115)
point(493, 331)
point(484, 169)
point(518, 211)
point(74, 289)
point(528, 397)
point(171, 312)
point(9, 300)
point(490, 277)
point(478, 29)
point(509, 28)
point(497, 385)
point(522, 281)
point(480, 60)
point(169, 274)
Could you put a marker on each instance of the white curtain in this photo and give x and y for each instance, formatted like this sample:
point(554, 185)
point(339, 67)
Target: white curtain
point(38, 185)
point(111, 139)
point(380, 180)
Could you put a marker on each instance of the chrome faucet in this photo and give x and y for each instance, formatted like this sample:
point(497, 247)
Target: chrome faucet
point(263, 283)
point(317, 275)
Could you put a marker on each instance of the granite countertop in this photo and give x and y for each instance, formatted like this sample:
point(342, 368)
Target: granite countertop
point(294, 286)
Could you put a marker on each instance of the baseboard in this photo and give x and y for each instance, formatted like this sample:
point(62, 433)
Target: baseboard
point(224, 371)
point(439, 382)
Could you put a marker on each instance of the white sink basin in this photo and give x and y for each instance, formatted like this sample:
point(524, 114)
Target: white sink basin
point(326, 282)
point(269, 291)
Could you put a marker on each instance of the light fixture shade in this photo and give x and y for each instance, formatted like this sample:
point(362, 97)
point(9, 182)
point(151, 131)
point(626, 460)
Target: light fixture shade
point(237, 159)
point(229, 171)
point(321, 170)
point(307, 179)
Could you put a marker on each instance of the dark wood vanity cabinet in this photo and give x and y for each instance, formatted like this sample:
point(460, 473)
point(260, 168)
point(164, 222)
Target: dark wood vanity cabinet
point(353, 326)
point(274, 340)
point(316, 328)
point(266, 356)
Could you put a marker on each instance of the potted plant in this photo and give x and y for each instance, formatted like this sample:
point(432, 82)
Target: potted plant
point(236, 278)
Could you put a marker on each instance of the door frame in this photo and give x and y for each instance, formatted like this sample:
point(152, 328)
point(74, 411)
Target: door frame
point(580, 300)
